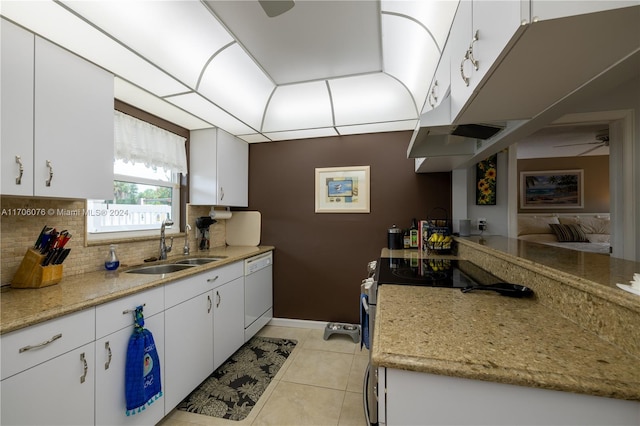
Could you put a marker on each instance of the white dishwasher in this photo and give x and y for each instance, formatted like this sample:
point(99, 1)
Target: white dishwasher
point(258, 293)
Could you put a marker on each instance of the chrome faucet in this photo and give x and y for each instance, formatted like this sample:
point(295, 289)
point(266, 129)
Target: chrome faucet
point(185, 250)
point(163, 245)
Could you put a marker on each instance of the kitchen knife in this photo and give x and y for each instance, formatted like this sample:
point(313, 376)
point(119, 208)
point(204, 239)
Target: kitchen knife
point(48, 258)
point(63, 256)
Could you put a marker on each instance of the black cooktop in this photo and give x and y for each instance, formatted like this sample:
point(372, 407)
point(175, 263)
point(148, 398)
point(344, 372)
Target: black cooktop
point(431, 272)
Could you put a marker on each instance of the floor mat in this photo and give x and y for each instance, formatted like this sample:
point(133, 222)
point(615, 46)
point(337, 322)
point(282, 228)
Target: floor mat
point(235, 387)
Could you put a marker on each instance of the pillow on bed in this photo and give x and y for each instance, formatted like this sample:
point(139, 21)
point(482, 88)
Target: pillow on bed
point(569, 233)
point(535, 225)
point(595, 225)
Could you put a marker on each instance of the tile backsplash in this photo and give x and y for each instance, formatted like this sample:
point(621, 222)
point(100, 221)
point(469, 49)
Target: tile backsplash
point(23, 218)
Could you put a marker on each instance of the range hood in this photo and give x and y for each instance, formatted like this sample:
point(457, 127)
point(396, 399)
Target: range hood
point(435, 136)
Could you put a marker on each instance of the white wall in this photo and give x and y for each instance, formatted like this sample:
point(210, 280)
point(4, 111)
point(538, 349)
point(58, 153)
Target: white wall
point(497, 216)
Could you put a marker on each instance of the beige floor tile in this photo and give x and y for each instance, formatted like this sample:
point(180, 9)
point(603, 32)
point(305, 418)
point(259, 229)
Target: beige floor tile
point(356, 374)
point(320, 368)
point(293, 404)
point(336, 342)
point(352, 412)
point(298, 334)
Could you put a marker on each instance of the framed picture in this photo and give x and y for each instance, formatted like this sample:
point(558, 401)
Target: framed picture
point(486, 181)
point(554, 189)
point(342, 189)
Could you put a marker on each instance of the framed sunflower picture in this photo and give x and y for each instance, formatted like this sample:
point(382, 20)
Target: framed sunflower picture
point(486, 181)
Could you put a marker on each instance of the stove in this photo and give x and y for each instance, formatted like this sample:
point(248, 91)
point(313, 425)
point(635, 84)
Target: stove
point(452, 273)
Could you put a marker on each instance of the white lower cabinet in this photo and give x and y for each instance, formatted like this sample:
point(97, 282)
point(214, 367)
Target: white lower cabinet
point(228, 320)
point(57, 392)
point(414, 398)
point(111, 356)
point(188, 347)
point(71, 370)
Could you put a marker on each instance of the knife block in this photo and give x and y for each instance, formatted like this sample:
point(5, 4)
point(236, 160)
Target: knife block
point(31, 274)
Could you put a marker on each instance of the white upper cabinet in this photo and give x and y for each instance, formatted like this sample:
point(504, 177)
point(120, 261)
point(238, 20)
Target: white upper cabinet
point(480, 32)
point(17, 109)
point(73, 112)
point(219, 169)
point(57, 117)
point(544, 9)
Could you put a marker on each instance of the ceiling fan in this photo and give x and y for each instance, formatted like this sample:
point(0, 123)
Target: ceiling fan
point(275, 7)
point(602, 139)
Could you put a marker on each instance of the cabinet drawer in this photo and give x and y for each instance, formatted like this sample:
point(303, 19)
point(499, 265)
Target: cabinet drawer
point(185, 289)
point(113, 316)
point(31, 346)
point(224, 274)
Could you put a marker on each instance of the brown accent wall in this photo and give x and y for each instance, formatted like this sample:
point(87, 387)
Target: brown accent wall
point(320, 259)
point(596, 180)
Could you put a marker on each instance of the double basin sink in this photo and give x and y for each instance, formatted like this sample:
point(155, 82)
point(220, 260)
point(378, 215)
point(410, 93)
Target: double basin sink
point(177, 266)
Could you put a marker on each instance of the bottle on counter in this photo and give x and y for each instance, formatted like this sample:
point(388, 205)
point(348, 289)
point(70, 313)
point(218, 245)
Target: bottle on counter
point(111, 263)
point(413, 234)
point(407, 239)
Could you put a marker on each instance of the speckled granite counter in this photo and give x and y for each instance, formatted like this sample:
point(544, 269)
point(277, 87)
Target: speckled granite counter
point(526, 342)
point(24, 307)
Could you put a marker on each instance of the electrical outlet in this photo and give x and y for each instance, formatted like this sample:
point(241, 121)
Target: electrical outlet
point(482, 224)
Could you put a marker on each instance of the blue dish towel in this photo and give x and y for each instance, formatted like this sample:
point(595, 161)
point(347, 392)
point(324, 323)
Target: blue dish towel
point(364, 321)
point(142, 370)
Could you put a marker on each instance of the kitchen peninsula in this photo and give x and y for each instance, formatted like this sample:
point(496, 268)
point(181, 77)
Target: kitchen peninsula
point(504, 359)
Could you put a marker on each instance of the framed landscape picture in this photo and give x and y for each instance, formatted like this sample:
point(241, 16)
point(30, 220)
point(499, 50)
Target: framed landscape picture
point(552, 189)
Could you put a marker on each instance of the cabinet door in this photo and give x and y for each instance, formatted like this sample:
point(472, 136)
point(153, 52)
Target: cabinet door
point(57, 392)
point(111, 356)
point(203, 182)
point(494, 23)
point(17, 109)
point(543, 10)
point(233, 170)
point(73, 154)
point(228, 320)
point(188, 347)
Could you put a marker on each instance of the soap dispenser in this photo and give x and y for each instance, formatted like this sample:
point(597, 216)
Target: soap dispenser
point(111, 263)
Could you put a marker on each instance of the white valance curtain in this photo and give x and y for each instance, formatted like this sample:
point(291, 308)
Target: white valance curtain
point(137, 141)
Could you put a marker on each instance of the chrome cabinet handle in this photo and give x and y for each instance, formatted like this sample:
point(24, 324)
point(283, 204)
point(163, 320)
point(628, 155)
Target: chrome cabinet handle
point(219, 299)
point(209, 304)
point(50, 166)
point(468, 56)
point(85, 367)
point(221, 193)
point(432, 95)
point(108, 348)
point(210, 280)
point(19, 177)
point(39, 345)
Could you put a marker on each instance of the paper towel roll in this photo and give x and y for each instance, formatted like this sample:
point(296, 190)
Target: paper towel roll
point(219, 214)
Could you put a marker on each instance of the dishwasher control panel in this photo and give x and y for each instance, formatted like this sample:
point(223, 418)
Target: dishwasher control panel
point(256, 263)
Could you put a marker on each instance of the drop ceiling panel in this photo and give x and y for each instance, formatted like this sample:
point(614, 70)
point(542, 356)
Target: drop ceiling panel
point(178, 36)
point(299, 106)
point(356, 103)
point(392, 126)
point(207, 111)
point(314, 40)
point(127, 92)
point(237, 85)
point(302, 134)
point(410, 54)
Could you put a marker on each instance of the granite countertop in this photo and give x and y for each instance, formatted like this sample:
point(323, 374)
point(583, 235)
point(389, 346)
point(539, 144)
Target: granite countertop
point(593, 272)
point(485, 336)
point(21, 308)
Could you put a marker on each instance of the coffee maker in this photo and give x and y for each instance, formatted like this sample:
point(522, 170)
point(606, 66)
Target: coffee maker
point(203, 223)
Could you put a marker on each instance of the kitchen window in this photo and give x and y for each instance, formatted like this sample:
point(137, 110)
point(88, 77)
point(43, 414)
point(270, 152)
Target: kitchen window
point(148, 162)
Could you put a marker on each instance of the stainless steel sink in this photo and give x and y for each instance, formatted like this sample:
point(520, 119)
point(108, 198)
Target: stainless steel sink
point(198, 261)
point(159, 269)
